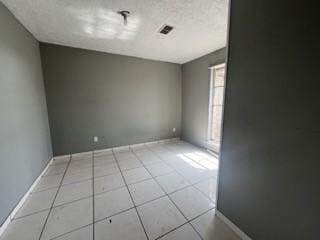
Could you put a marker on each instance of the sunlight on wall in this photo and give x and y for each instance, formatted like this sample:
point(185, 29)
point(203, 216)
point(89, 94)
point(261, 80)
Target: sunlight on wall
point(106, 24)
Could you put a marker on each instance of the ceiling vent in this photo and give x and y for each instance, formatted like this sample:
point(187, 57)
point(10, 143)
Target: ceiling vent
point(165, 29)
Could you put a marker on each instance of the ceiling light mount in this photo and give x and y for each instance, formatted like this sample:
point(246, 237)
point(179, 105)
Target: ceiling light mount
point(125, 15)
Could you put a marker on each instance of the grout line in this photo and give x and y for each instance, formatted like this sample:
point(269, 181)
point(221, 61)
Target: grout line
point(193, 184)
point(162, 160)
point(93, 195)
point(30, 214)
point(101, 193)
point(113, 189)
point(114, 155)
point(188, 222)
point(73, 230)
point(177, 206)
point(45, 223)
point(123, 211)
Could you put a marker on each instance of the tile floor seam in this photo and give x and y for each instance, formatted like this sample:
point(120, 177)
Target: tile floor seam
point(171, 167)
point(46, 220)
point(159, 151)
point(73, 230)
point(193, 184)
point(30, 214)
point(131, 196)
point(123, 211)
point(110, 190)
point(178, 209)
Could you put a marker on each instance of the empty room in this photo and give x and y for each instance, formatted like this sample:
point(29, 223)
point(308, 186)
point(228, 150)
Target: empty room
point(149, 119)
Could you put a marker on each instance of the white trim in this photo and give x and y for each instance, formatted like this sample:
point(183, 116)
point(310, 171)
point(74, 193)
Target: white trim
point(211, 92)
point(121, 148)
point(103, 150)
point(168, 140)
point(80, 154)
point(222, 65)
point(232, 226)
point(23, 199)
point(136, 145)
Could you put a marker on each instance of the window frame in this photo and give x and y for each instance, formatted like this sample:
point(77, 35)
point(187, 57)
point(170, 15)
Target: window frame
point(212, 69)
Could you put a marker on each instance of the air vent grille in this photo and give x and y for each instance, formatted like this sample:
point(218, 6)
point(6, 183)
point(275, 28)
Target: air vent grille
point(166, 29)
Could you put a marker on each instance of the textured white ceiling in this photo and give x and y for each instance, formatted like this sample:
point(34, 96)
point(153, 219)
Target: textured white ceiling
point(200, 25)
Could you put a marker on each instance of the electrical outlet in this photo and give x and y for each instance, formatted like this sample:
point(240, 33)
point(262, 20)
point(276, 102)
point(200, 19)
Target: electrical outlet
point(173, 129)
point(95, 139)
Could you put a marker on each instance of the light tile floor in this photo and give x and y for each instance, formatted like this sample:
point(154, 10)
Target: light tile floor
point(162, 191)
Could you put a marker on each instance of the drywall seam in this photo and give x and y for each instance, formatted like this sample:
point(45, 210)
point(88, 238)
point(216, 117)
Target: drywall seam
point(232, 226)
point(22, 200)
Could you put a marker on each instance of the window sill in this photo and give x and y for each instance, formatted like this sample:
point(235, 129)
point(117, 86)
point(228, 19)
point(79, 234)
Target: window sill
point(213, 146)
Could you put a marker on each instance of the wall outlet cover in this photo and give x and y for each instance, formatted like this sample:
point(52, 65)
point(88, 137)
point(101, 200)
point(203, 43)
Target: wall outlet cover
point(95, 139)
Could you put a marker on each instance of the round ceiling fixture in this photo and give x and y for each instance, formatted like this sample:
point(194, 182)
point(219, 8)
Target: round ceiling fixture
point(125, 15)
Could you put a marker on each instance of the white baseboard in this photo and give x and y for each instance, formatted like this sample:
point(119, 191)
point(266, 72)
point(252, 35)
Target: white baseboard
point(232, 226)
point(125, 147)
point(22, 200)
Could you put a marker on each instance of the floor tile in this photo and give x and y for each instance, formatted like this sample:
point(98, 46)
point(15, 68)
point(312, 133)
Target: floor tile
point(60, 160)
point(86, 163)
point(107, 183)
point(176, 163)
point(172, 182)
point(124, 155)
point(136, 175)
point(103, 160)
point(68, 217)
point(77, 176)
point(208, 187)
point(124, 226)
point(129, 164)
point(194, 175)
point(142, 152)
point(145, 191)
point(75, 169)
point(56, 169)
point(48, 182)
point(107, 169)
point(37, 201)
point(159, 217)
point(210, 227)
point(85, 233)
point(149, 159)
point(26, 228)
point(159, 169)
point(191, 202)
point(112, 202)
point(75, 191)
point(186, 232)
point(81, 156)
point(164, 154)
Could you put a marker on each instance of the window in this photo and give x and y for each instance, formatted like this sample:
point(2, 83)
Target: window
point(217, 84)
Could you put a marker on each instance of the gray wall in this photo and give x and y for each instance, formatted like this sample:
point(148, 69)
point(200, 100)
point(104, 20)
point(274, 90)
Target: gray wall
point(195, 96)
point(269, 171)
point(25, 146)
point(123, 100)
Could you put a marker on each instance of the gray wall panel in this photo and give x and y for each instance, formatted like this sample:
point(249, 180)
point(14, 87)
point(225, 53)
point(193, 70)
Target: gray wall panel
point(195, 96)
point(25, 145)
point(123, 100)
point(269, 170)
